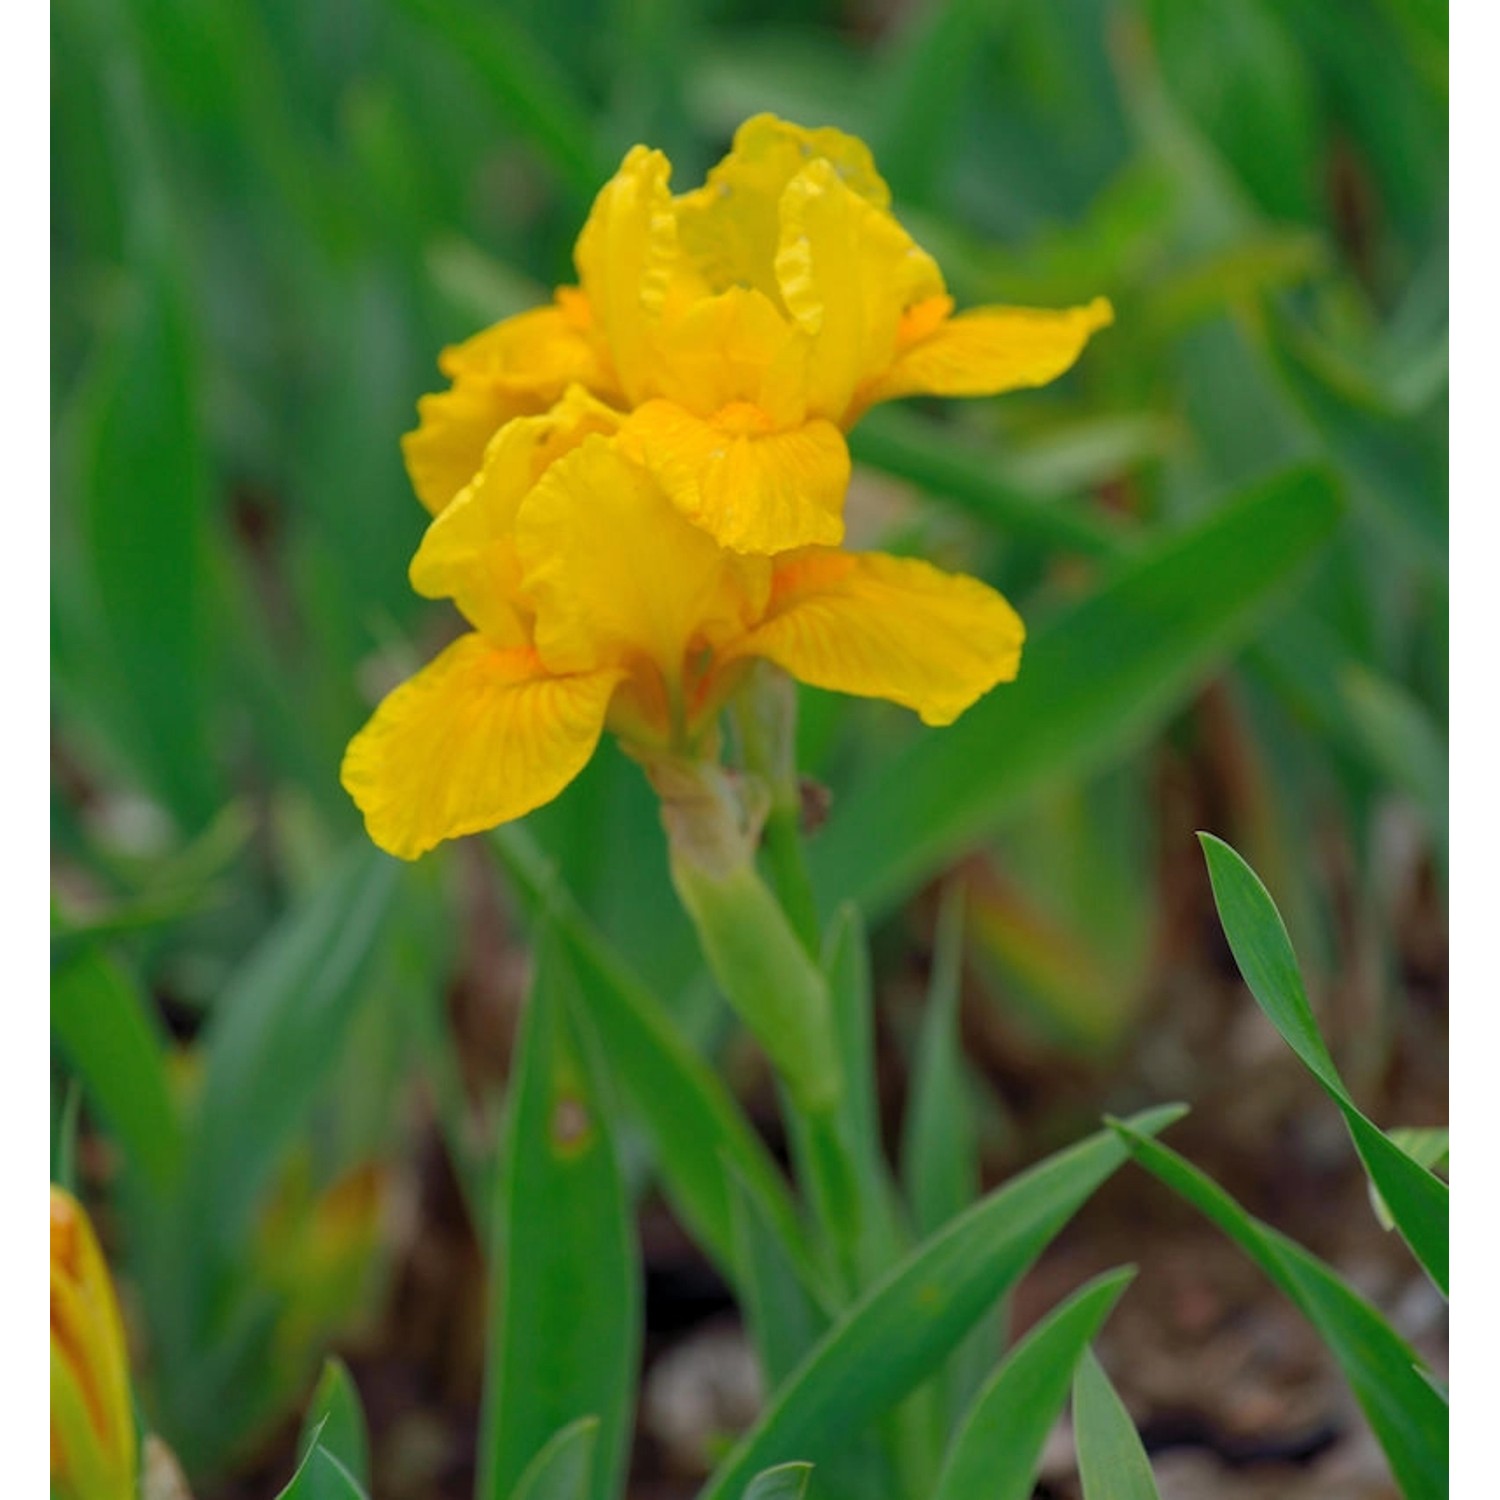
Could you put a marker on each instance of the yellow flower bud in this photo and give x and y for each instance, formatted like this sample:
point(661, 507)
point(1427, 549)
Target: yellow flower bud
point(93, 1428)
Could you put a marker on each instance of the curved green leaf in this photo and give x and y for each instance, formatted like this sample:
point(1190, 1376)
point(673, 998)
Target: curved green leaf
point(1111, 1460)
point(335, 1421)
point(101, 1022)
point(1094, 680)
point(1417, 1200)
point(901, 1330)
point(784, 1482)
point(565, 1324)
point(1408, 1414)
point(995, 1453)
point(563, 1470)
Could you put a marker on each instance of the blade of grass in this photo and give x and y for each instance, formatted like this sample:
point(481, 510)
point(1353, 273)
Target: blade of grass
point(565, 1328)
point(1406, 1412)
point(995, 1453)
point(100, 1021)
point(1417, 1200)
point(1111, 1459)
point(900, 1331)
point(1093, 681)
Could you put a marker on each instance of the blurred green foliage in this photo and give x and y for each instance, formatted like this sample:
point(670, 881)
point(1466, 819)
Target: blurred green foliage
point(268, 218)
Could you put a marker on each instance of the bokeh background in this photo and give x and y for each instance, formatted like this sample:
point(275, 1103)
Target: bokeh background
point(268, 217)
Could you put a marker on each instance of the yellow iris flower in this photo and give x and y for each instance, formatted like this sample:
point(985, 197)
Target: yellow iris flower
point(93, 1429)
point(597, 604)
point(638, 490)
point(747, 325)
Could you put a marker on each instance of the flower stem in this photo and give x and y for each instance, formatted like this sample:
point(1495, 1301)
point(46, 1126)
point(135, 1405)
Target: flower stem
point(765, 717)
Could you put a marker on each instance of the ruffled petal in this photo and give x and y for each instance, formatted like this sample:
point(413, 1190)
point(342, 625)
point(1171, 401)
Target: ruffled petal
point(888, 627)
point(446, 450)
point(988, 350)
point(847, 272)
point(516, 368)
point(469, 551)
point(628, 263)
point(730, 226)
point(544, 349)
point(616, 575)
point(735, 346)
point(750, 488)
point(479, 736)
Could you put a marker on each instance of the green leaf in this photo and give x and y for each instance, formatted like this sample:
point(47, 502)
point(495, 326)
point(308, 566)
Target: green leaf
point(322, 1475)
point(940, 1142)
point(693, 1121)
point(866, 1228)
point(922, 97)
point(564, 1468)
point(1427, 1146)
point(995, 1454)
point(1247, 85)
point(899, 1332)
point(1396, 470)
point(565, 1326)
point(1094, 681)
point(784, 1482)
point(276, 1033)
point(1111, 1459)
point(1399, 737)
point(1407, 1413)
point(940, 1138)
point(65, 1135)
point(960, 471)
point(142, 503)
point(335, 1421)
point(101, 1022)
point(527, 84)
point(1417, 1199)
point(783, 1315)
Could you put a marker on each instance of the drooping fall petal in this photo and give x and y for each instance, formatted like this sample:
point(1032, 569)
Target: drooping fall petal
point(618, 576)
point(516, 368)
point(478, 737)
point(750, 488)
point(469, 551)
point(888, 627)
point(988, 350)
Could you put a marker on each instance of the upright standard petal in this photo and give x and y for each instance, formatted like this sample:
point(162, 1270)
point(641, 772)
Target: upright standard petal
point(847, 272)
point(479, 736)
point(730, 227)
point(629, 266)
point(516, 368)
point(986, 350)
point(617, 576)
point(888, 627)
point(752, 489)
